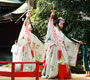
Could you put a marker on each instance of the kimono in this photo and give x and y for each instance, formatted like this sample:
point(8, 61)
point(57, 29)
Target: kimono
point(31, 48)
point(60, 50)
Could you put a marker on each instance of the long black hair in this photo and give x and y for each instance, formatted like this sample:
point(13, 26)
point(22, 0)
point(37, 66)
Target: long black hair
point(56, 22)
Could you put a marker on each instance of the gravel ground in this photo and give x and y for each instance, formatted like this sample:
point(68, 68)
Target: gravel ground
point(74, 76)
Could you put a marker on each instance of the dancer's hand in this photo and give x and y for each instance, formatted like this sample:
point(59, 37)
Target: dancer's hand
point(29, 13)
point(80, 42)
point(56, 44)
point(52, 13)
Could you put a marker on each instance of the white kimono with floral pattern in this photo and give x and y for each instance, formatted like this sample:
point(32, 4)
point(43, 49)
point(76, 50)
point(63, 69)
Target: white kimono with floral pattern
point(26, 55)
point(69, 52)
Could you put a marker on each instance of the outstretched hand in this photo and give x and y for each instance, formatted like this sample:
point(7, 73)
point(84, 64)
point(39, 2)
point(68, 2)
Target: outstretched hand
point(52, 13)
point(80, 42)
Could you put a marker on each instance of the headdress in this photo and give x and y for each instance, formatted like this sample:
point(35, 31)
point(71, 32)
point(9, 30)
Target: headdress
point(61, 19)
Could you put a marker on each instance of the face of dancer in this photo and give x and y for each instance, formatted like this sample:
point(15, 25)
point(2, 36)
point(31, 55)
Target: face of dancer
point(61, 24)
point(30, 29)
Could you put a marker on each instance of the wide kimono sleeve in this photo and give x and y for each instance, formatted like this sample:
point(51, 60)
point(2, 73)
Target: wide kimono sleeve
point(22, 39)
point(39, 48)
point(72, 49)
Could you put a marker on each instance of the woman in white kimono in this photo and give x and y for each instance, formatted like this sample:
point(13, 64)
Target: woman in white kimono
point(31, 48)
point(60, 49)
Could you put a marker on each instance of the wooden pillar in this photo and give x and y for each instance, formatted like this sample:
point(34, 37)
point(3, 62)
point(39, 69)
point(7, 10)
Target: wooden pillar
point(31, 3)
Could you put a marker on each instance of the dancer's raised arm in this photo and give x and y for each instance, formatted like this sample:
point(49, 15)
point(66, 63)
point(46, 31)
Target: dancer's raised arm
point(52, 14)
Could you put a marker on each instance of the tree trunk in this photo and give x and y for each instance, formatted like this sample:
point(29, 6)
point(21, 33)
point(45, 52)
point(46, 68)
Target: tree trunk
point(31, 3)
